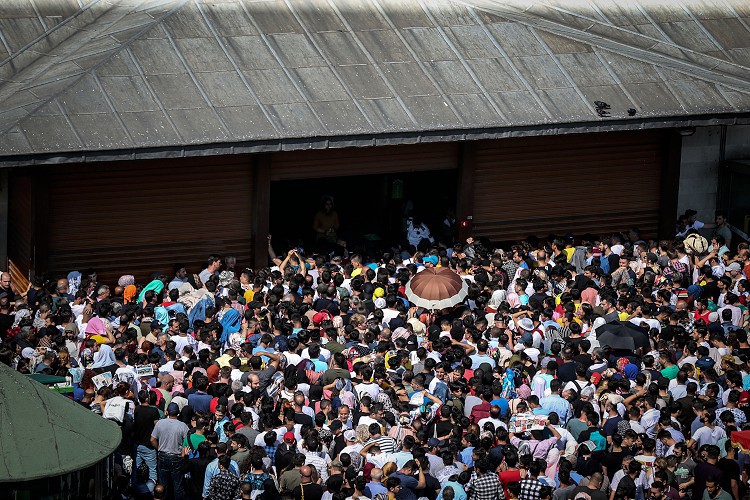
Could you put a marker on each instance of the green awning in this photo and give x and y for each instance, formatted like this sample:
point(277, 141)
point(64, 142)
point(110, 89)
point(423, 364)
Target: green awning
point(44, 434)
point(45, 379)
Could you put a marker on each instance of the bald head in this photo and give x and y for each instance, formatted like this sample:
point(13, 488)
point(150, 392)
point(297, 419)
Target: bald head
point(167, 381)
point(253, 381)
point(62, 285)
point(596, 480)
point(306, 473)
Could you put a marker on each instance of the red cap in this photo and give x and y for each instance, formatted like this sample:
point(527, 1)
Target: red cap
point(596, 377)
point(322, 316)
point(289, 437)
point(744, 397)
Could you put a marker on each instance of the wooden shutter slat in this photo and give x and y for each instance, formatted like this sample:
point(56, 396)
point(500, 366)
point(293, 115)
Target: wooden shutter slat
point(142, 217)
point(576, 183)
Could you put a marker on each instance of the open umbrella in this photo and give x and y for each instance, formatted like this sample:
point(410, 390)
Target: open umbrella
point(741, 440)
point(612, 334)
point(616, 341)
point(436, 288)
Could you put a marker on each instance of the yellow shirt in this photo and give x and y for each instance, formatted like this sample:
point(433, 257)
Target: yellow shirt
point(569, 252)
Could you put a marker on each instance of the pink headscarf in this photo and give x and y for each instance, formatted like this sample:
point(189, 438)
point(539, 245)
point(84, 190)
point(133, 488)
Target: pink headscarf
point(590, 295)
point(513, 300)
point(95, 326)
point(399, 333)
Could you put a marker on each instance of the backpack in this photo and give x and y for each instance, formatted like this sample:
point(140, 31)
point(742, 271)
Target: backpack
point(193, 453)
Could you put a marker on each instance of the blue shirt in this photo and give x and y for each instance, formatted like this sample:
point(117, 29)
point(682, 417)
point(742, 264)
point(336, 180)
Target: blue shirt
point(200, 402)
point(556, 403)
point(212, 470)
point(373, 489)
point(219, 428)
point(465, 456)
point(502, 403)
point(458, 489)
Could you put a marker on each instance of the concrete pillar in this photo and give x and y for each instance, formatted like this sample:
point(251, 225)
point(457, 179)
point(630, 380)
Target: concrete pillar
point(4, 188)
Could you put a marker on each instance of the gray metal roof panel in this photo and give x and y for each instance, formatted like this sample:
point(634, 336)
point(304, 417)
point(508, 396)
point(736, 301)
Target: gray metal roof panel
point(496, 75)
point(296, 120)
point(541, 72)
point(408, 79)
point(203, 54)
point(429, 43)
point(273, 17)
point(150, 128)
point(431, 110)
point(161, 74)
point(128, 94)
point(474, 110)
point(273, 87)
point(402, 15)
point(50, 133)
point(247, 122)
point(225, 88)
point(364, 82)
point(341, 117)
point(452, 77)
point(652, 97)
point(586, 69)
point(85, 97)
point(516, 39)
point(472, 42)
point(340, 48)
point(156, 57)
point(731, 33)
point(229, 18)
point(317, 16)
point(198, 125)
point(97, 129)
point(385, 46)
point(250, 52)
point(366, 16)
point(296, 51)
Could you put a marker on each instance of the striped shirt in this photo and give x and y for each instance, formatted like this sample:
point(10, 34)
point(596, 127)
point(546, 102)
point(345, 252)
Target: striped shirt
point(386, 444)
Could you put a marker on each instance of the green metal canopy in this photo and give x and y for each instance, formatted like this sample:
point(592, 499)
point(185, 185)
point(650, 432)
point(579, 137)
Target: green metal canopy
point(43, 434)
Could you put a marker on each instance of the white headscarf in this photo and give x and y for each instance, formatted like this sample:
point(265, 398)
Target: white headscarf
point(498, 296)
point(104, 357)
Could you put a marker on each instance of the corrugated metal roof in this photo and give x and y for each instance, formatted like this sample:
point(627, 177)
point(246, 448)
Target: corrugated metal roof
point(103, 78)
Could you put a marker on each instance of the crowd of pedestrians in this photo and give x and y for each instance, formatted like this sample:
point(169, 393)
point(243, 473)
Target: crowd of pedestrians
point(317, 379)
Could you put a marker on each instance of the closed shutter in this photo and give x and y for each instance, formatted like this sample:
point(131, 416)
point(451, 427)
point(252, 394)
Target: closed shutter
point(363, 161)
point(20, 229)
point(143, 217)
point(592, 183)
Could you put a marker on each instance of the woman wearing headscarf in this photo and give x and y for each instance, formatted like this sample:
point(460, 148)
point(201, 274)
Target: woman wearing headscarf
point(156, 285)
point(129, 293)
point(104, 360)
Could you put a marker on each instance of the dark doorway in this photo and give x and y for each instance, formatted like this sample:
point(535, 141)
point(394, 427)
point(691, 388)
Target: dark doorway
point(371, 208)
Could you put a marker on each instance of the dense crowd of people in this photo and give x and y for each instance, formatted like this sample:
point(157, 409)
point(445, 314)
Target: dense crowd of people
point(317, 379)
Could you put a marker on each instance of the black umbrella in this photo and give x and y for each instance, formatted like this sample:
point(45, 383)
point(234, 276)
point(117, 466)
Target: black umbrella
point(609, 333)
point(615, 341)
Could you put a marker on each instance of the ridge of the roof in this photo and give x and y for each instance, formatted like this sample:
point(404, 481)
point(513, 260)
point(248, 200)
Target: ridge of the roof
point(646, 48)
point(72, 49)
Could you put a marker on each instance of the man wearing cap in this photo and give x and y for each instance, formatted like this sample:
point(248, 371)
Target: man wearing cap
point(352, 448)
point(433, 455)
point(167, 438)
